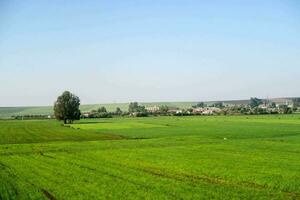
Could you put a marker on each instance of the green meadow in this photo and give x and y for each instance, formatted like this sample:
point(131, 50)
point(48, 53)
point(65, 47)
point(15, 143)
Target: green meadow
point(199, 157)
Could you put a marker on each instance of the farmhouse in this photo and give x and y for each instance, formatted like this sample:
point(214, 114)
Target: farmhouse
point(206, 111)
point(174, 110)
point(263, 106)
point(152, 109)
point(86, 115)
point(198, 110)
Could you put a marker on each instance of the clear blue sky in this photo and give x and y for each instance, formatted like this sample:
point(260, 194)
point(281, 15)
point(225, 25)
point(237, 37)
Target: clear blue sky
point(164, 50)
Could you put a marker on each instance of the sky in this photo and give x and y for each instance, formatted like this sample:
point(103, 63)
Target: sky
point(146, 51)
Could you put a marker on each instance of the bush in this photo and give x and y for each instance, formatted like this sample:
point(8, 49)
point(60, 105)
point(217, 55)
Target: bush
point(142, 114)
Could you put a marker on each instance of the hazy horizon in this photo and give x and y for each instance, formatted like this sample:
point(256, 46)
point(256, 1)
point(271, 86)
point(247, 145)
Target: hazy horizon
point(153, 102)
point(148, 51)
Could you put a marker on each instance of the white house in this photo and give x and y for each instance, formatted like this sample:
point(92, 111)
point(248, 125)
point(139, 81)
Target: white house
point(152, 109)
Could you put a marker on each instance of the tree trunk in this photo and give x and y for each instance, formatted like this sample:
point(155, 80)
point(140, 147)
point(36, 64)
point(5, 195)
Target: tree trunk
point(65, 121)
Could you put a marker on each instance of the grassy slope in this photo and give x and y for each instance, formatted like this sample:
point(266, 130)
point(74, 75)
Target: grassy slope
point(184, 158)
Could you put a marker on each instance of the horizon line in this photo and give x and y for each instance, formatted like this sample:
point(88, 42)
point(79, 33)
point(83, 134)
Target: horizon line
point(141, 102)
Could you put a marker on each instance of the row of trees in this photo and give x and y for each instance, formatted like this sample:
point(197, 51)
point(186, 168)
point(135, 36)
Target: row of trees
point(254, 102)
point(247, 110)
point(66, 108)
point(203, 105)
point(137, 110)
point(134, 109)
point(21, 117)
point(103, 113)
point(296, 102)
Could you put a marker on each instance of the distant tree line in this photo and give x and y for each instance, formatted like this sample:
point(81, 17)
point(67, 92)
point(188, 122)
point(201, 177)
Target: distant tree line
point(103, 113)
point(134, 109)
point(296, 103)
point(24, 117)
point(66, 108)
point(137, 110)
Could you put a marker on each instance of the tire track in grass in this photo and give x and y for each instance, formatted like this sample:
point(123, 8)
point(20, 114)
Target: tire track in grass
point(179, 177)
point(5, 169)
point(26, 181)
point(114, 176)
point(48, 195)
point(67, 149)
point(12, 180)
point(123, 169)
point(51, 162)
point(195, 179)
point(182, 177)
point(32, 163)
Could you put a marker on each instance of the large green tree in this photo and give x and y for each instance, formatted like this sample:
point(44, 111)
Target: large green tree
point(255, 102)
point(118, 111)
point(66, 107)
point(140, 110)
point(102, 110)
point(296, 102)
point(163, 108)
point(133, 107)
point(218, 105)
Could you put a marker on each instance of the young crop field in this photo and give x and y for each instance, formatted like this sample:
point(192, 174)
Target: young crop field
point(200, 157)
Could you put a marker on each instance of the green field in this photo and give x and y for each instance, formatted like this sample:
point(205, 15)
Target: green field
point(208, 157)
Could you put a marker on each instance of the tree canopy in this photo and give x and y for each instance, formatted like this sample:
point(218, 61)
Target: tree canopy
point(102, 109)
point(218, 105)
point(255, 102)
point(296, 102)
point(118, 111)
point(137, 110)
point(199, 105)
point(163, 108)
point(66, 107)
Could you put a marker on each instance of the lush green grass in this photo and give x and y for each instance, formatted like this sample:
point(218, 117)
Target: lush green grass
point(152, 158)
point(34, 131)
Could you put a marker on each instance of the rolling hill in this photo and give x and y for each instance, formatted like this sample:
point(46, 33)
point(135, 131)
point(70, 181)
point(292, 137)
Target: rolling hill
point(7, 112)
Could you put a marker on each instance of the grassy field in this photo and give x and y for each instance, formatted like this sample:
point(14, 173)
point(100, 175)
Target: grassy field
point(211, 157)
